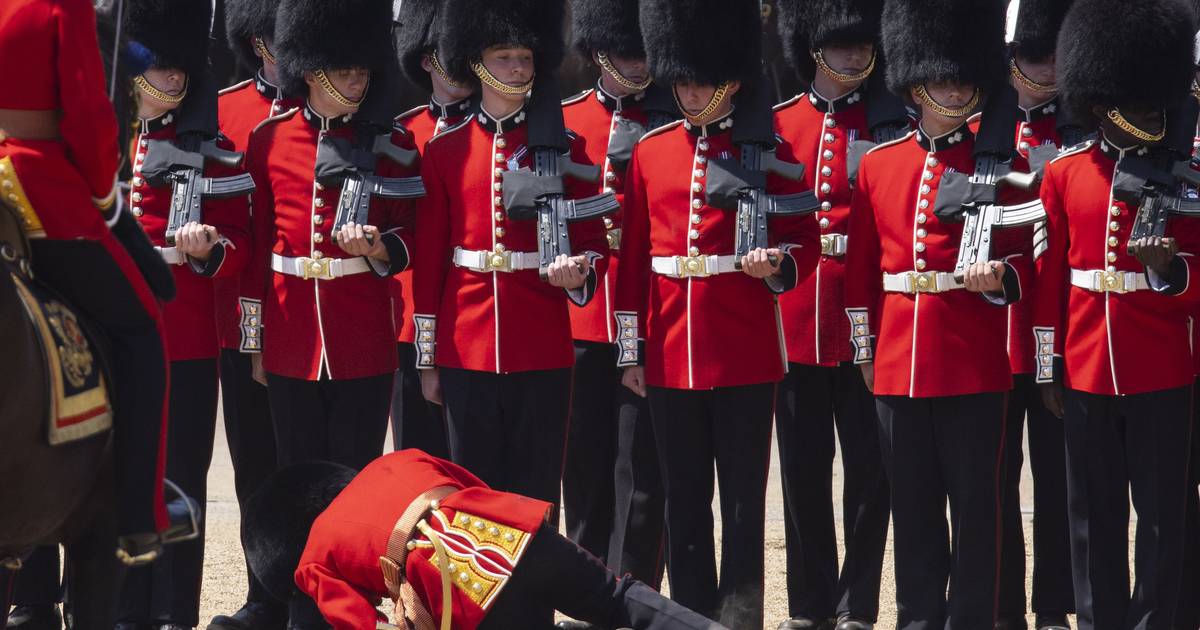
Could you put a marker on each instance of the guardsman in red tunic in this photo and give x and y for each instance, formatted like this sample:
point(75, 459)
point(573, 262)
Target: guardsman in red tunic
point(612, 493)
point(1037, 139)
point(250, 27)
point(494, 340)
point(698, 329)
point(328, 341)
point(1111, 317)
point(415, 529)
point(832, 45)
point(176, 111)
point(416, 422)
point(940, 369)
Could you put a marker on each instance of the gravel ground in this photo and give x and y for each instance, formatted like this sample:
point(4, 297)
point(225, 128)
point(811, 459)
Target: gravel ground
point(225, 573)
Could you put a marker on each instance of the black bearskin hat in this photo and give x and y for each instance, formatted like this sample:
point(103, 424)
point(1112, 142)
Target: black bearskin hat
point(468, 27)
point(245, 20)
point(709, 42)
point(279, 516)
point(1156, 72)
point(806, 25)
point(1038, 22)
point(926, 41)
point(609, 26)
point(173, 32)
point(329, 34)
point(416, 36)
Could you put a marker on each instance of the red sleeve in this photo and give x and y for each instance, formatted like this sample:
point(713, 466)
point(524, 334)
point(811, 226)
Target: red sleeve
point(588, 238)
point(797, 236)
point(864, 284)
point(1051, 280)
point(231, 217)
point(256, 275)
point(343, 605)
point(633, 274)
point(431, 256)
point(88, 123)
point(398, 219)
point(1186, 230)
point(1013, 247)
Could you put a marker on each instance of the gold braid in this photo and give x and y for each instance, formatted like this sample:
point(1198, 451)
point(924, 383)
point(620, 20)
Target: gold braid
point(819, 57)
point(144, 85)
point(1027, 82)
point(612, 71)
point(713, 103)
point(262, 49)
point(491, 81)
point(333, 92)
point(438, 68)
point(1124, 125)
point(957, 112)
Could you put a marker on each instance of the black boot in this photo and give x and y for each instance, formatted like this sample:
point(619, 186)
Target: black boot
point(1052, 622)
point(252, 616)
point(183, 524)
point(35, 618)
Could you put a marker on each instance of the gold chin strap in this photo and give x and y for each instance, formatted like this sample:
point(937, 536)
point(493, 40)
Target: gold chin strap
point(612, 71)
point(491, 81)
point(718, 97)
point(957, 112)
point(1027, 82)
point(333, 92)
point(441, 71)
point(819, 57)
point(1124, 125)
point(262, 49)
point(157, 94)
point(1195, 89)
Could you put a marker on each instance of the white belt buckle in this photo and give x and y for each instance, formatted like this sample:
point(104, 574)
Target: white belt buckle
point(828, 245)
point(1110, 281)
point(923, 282)
point(497, 260)
point(691, 266)
point(315, 268)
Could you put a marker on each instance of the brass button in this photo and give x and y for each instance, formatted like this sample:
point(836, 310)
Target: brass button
point(1112, 256)
point(698, 173)
point(501, 143)
point(1112, 241)
point(499, 231)
point(695, 219)
point(928, 176)
point(1026, 132)
point(829, 138)
point(498, 201)
point(694, 251)
point(920, 263)
point(694, 234)
point(1114, 226)
point(318, 219)
point(1115, 211)
point(701, 159)
point(137, 212)
point(499, 172)
point(319, 202)
point(920, 247)
point(696, 186)
point(828, 155)
point(138, 181)
point(697, 204)
point(610, 176)
point(921, 233)
point(921, 218)
point(608, 222)
point(499, 157)
point(135, 197)
point(499, 216)
point(703, 145)
point(826, 206)
point(497, 186)
point(826, 171)
point(924, 204)
point(318, 238)
point(824, 223)
point(317, 255)
point(830, 123)
point(826, 188)
point(931, 162)
point(924, 189)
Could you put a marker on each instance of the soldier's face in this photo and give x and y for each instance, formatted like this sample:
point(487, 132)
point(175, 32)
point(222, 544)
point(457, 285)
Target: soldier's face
point(513, 66)
point(351, 82)
point(1041, 71)
point(171, 81)
point(443, 90)
point(848, 58)
point(1149, 119)
point(632, 68)
point(694, 98)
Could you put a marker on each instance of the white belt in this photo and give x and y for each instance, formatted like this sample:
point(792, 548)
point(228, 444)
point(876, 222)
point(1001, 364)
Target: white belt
point(319, 268)
point(484, 261)
point(833, 244)
point(171, 255)
point(915, 282)
point(692, 266)
point(1109, 281)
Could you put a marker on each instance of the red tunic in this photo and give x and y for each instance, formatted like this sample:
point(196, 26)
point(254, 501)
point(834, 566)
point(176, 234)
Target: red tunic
point(317, 328)
point(814, 320)
point(190, 326)
point(423, 123)
point(593, 115)
point(1111, 343)
point(240, 109)
point(929, 344)
point(340, 567)
point(699, 332)
point(489, 321)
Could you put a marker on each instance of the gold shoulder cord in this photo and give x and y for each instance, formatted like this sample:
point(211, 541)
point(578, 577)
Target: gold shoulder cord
point(491, 81)
point(838, 76)
point(1117, 119)
point(438, 68)
point(612, 71)
point(957, 112)
point(262, 49)
point(1027, 82)
point(713, 103)
point(157, 94)
point(333, 92)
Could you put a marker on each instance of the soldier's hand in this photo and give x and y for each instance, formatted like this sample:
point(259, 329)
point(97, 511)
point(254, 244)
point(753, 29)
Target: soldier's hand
point(568, 272)
point(634, 377)
point(757, 264)
point(985, 277)
point(1155, 252)
point(431, 386)
point(1052, 398)
point(196, 240)
point(361, 240)
point(256, 369)
point(868, 374)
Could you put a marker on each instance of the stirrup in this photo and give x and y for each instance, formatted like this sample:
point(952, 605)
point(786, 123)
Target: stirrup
point(183, 524)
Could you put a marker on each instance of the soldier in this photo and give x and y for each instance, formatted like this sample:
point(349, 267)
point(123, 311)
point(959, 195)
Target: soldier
point(250, 28)
point(697, 327)
point(1037, 138)
point(493, 339)
point(176, 101)
point(327, 349)
point(939, 370)
point(822, 387)
point(417, 423)
point(1110, 304)
point(618, 517)
point(397, 530)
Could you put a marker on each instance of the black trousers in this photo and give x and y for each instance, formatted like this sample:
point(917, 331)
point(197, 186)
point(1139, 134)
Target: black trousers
point(88, 277)
point(694, 428)
point(612, 488)
point(509, 429)
point(1187, 613)
point(416, 423)
point(1118, 447)
point(1053, 593)
point(556, 574)
point(39, 582)
point(940, 449)
point(168, 591)
point(810, 401)
point(341, 421)
point(251, 439)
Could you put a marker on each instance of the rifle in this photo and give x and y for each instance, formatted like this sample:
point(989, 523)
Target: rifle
point(742, 184)
point(343, 162)
point(180, 163)
point(538, 194)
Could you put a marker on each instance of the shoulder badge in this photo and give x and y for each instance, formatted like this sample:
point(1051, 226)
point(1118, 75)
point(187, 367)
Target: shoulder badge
point(788, 103)
point(1073, 149)
point(449, 130)
point(412, 112)
point(235, 87)
point(662, 129)
point(571, 100)
point(276, 118)
point(903, 138)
